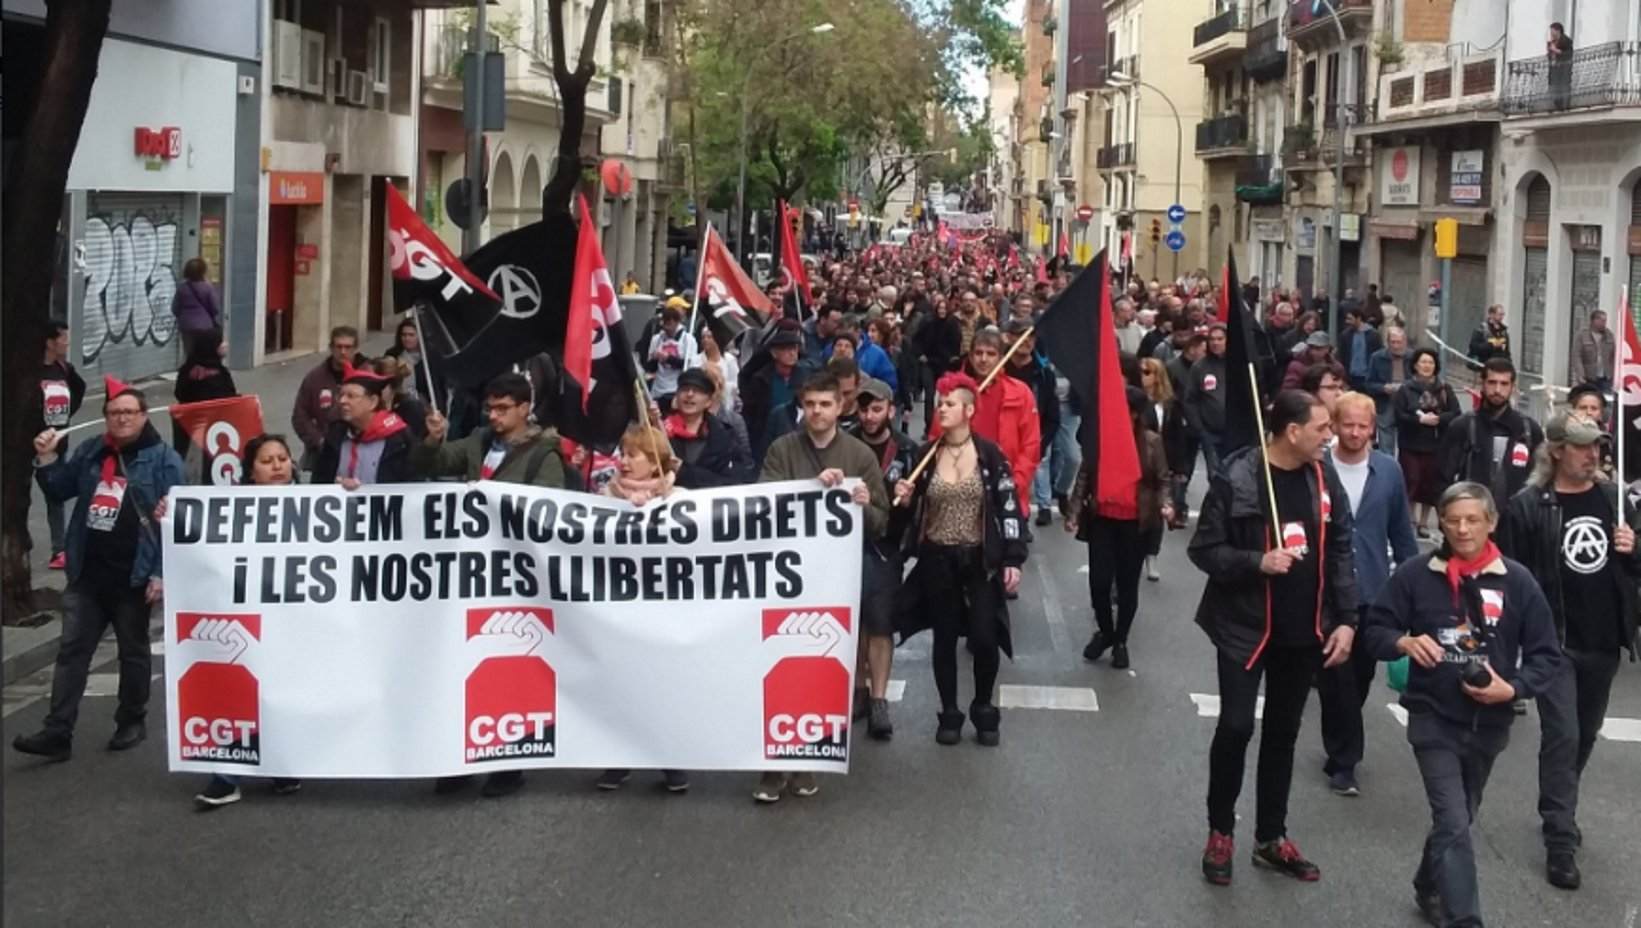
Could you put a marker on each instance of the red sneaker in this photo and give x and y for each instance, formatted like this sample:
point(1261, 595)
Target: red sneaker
point(59, 561)
point(1216, 859)
point(1283, 857)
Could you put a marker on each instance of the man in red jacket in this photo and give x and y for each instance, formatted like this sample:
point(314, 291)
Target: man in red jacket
point(1005, 414)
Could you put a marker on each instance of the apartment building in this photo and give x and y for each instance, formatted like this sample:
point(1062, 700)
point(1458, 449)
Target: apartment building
point(628, 119)
point(339, 125)
point(1037, 101)
point(1148, 162)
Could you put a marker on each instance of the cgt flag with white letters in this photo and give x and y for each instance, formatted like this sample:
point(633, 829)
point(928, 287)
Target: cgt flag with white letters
point(435, 629)
point(426, 272)
point(220, 429)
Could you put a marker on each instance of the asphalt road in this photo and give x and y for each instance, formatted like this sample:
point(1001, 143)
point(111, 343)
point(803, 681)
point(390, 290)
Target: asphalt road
point(1080, 818)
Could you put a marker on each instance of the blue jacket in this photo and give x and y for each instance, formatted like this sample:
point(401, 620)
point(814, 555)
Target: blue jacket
point(873, 361)
point(151, 471)
point(1378, 378)
point(1382, 523)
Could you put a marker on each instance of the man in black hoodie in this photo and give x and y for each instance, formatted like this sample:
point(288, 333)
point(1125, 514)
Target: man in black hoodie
point(1493, 445)
point(61, 390)
point(1577, 536)
point(1465, 616)
point(1205, 398)
point(1277, 612)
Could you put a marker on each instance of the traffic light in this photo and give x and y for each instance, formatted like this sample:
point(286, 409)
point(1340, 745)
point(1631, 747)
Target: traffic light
point(1447, 238)
point(1156, 231)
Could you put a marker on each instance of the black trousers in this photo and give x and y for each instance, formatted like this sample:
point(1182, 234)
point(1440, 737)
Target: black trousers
point(963, 603)
point(1570, 715)
point(87, 613)
point(1287, 673)
point(1342, 693)
point(1454, 762)
point(1115, 556)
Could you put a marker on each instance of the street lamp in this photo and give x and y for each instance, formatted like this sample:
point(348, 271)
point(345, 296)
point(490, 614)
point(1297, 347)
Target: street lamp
point(746, 85)
point(1336, 269)
point(1120, 80)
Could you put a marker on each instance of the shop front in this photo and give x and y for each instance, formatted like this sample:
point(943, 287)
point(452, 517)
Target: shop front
point(149, 189)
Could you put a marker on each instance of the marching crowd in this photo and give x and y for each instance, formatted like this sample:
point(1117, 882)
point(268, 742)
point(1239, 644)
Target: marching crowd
point(1524, 586)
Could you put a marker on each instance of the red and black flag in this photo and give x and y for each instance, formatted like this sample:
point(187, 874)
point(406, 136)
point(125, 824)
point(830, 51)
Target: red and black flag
point(1245, 342)
point(1079, 333)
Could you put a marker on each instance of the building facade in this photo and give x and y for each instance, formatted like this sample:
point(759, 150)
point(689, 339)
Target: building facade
point(165, 171)
point(340, 126)
point(1148, 162)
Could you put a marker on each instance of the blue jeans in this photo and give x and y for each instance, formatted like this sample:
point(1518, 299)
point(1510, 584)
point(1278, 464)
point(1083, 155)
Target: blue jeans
point(1060, 459)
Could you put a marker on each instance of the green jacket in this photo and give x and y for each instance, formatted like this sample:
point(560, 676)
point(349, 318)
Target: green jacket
point(535, 459)
point(789, 458)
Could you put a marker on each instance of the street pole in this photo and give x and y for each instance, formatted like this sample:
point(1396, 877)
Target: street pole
point(1179, 144)
point(1447, 298)
point(1336, 268)
point(475, 138)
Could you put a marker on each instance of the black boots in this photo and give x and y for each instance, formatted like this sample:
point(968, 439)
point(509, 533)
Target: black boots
point(127, 735)
point(986, 719)
point(951, 728)
point(54, 747)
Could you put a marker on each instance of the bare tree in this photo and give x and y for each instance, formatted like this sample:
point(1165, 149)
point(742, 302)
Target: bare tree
point(36, 181)
point(572, 96)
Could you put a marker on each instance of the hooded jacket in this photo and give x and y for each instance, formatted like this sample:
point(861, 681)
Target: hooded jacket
point(150, 468)
point(315, 408)
point(1466, 451)
point(1233, 534)
point(1419, 601)
point(1531, 533)
point(535, 459)
point(1205, 396)
point(720, 462)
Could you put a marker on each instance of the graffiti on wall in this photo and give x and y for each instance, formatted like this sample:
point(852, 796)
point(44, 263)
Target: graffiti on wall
point(128, 259)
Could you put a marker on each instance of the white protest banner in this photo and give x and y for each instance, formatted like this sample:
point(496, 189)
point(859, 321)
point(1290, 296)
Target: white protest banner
point(439, 629)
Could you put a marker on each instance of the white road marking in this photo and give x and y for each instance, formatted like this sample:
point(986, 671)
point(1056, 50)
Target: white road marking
point(1208, 705)
point(1057, 633)
point(896, 691)
point(1083, 569)
point(1617, 729)
point(1069, 698)
point(157, 649)
point(1398, 712)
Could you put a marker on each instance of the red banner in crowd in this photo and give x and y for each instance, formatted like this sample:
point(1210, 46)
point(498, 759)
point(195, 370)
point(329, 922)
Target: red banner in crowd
point(791, 261)
point(734, 303)
point(221, 428)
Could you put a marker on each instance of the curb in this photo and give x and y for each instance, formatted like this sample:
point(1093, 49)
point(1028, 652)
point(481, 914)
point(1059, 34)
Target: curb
point(30, 649)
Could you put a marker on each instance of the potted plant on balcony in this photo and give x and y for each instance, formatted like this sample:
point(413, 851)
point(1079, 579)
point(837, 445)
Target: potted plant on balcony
point(629, 31)
point(1299, 143)
point(1389, 51)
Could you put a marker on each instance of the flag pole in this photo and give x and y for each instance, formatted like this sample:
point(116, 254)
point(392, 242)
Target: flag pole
point(1264, 456)
point(1620, 340)
point(1002, 363)
point(427, 357)
point(650, 428)
point(695, 309)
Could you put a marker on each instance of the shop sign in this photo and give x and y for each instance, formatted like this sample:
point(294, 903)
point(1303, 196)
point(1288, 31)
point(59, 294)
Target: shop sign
point(1399, 185)
point(1268, 230)
point(1465, 183)
point(161, 144)
point(307, 250)
point(296, 188)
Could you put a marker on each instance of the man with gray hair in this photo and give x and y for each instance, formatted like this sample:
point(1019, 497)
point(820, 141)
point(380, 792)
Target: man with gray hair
point(1129, 333)
point(1478, 635)
point(1387, 371)
point(1577, 536)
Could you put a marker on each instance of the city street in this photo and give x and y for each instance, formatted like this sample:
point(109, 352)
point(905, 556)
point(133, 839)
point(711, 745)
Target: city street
point(1084, 816)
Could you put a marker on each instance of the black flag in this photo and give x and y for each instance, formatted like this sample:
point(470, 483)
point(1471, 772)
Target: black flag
point(529, 270)
point(1245, 342)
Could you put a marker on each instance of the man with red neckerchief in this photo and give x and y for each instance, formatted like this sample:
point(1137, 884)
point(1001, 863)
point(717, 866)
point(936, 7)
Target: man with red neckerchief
point(368, 443)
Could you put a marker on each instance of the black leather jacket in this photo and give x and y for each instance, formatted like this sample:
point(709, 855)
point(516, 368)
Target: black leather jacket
point(1531, 534)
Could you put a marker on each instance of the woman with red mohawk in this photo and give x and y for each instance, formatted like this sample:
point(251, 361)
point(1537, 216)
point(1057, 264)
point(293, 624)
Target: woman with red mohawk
point(965, 530)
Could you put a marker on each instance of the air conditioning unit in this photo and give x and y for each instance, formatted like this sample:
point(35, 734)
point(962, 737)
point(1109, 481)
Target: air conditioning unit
point(313, 62)
point(336, 84)
point(287, 55)
point(358, 88)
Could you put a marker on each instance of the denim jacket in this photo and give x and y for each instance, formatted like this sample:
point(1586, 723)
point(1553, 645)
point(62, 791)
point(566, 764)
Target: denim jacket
point(151, 472)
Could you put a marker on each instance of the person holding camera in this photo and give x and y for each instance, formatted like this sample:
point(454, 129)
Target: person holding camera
point(1479, 635)
point(669, 351)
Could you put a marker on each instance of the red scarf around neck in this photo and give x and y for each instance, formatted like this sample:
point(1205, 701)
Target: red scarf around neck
point(111, 460)
point(383, 424)
point(1458, 568)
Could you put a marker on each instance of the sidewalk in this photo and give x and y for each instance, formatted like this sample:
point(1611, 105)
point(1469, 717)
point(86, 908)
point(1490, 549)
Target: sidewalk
point(26, 650)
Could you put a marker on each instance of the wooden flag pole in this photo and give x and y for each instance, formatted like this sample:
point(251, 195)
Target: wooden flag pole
point(650, 428)
point(1620, 340)
point(1264, 456)
point(427, 358)
point(1002, 363)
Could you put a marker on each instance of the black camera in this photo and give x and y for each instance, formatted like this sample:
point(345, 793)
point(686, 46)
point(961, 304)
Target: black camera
point(1477, 676)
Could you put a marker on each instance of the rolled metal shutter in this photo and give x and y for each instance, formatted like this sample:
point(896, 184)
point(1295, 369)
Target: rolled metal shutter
point(122, 324)
point(1536, 269)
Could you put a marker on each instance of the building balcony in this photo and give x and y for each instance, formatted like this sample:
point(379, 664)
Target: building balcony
point(1305, 150)
point(1225, 137)
point(1128, 67)
point(1463, 90)
point(1259, 180)
point(1223, 38)
point(1266, 58)
point(1595, 82)
point(1311, 22)
point(1115, 156)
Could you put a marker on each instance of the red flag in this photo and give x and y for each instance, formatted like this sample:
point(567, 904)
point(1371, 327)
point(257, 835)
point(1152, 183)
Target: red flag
point(1042, 271)
point(797, 277)
point(1223, 310)
point(732, 299)
point(1064, 250)
point(221, 428)
point(1014, 256)
point(1627, 379)
point(419, 257)
point(593, 306)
